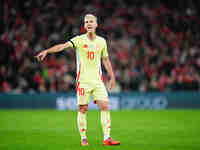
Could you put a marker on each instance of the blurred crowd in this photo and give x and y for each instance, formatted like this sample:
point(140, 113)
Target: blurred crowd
point(153, 46)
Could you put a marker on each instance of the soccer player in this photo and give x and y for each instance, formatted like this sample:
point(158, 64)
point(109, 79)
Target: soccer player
point(90, 50)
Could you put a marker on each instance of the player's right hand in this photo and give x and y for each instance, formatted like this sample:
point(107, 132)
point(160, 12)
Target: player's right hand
point(111, 84)
point(41, 56)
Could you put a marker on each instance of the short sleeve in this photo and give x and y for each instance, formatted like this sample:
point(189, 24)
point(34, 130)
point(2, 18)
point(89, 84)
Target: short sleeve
point(104, 50)
point(75, 41)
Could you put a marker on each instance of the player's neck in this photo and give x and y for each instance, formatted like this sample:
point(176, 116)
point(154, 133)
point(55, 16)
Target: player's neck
point(91, 36)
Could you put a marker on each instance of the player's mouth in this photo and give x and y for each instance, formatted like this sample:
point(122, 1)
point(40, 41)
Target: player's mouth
point(89, 28)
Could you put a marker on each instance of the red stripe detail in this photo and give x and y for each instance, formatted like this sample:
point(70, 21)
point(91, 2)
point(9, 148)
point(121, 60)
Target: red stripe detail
point(77, 78)
point(77, 86)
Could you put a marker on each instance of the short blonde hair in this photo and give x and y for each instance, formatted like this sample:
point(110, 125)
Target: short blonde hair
point(90, 15)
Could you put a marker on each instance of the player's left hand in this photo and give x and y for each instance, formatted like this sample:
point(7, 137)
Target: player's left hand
point(111, 84)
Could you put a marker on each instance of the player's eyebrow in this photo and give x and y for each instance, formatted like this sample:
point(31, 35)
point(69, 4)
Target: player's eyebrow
point(89, 21)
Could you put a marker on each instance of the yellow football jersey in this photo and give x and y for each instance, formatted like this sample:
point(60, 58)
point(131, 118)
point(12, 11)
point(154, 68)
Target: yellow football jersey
point(88, 58)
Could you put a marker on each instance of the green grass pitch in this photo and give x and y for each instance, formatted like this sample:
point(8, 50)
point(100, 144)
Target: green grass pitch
point(136, 129)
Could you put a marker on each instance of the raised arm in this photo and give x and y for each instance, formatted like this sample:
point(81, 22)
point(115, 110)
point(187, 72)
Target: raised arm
point(53, 49)
point(108, 66)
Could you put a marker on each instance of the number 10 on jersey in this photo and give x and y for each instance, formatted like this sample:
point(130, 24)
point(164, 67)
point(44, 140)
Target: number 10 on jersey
point(90, 55)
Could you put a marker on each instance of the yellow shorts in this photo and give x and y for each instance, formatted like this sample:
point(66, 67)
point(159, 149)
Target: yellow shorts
point(86, 90)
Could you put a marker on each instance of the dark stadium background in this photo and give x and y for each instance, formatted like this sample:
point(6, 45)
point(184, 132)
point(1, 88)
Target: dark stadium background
point(153, 45)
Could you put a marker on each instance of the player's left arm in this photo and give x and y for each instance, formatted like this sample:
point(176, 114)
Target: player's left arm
point(108, 66)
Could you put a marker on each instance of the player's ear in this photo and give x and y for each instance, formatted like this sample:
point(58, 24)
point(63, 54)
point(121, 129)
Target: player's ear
point(84, 25)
